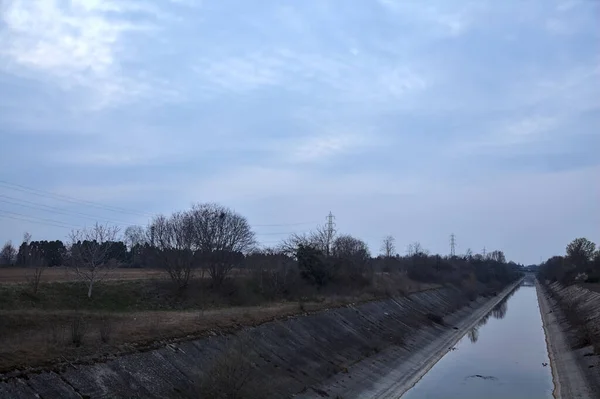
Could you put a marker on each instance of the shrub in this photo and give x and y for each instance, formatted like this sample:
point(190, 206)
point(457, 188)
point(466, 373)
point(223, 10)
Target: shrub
point(78, 330)
point(273, 274)
point(106, 329)
point(231, 376)
point(314, 266)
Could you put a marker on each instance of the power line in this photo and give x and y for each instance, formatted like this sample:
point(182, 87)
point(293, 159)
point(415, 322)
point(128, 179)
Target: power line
point(283, 224)
point(278, 234)
point(22, 217)
point(43, 207)
point(48, 194)
point(97, 205)
point(31, 221)
point(65, 198)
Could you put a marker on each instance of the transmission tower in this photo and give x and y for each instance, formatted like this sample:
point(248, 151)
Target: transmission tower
point(330, 231)
point(452, 245)
point(484, 253)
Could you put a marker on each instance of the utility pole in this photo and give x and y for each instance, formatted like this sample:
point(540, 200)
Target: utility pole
point(330, 231)
point(452, 245)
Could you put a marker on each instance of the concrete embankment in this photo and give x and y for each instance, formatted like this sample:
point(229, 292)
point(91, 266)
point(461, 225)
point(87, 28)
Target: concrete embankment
point(394, 371)
point(357, 350)
point(575, 368)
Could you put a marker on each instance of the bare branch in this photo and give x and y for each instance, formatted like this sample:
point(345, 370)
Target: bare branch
point(90, 252)
point(172, 237)
point(388, 246)
point(221, 237)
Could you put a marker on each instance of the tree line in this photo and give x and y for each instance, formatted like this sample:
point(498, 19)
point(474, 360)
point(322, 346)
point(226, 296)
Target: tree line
point(580, 263)
point(210, 240)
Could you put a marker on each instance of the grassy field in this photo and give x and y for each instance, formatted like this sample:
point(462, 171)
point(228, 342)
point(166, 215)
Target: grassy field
point(18, 275)
point(35, 338)
point(59, 324)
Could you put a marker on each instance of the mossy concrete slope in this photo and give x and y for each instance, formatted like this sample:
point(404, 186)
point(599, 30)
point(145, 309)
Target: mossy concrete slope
point(575, 362)
point(287, 357)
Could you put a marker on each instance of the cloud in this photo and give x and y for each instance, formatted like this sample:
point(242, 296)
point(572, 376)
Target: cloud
point(255, 183)
point(449, 21)
point(531, 129)
point(344, 77)
point(77, 44)
point(399, 116)
point(322, 148)
point(242, 73)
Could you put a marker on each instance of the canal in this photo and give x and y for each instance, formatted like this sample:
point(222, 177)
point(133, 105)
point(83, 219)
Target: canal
point(504, 356)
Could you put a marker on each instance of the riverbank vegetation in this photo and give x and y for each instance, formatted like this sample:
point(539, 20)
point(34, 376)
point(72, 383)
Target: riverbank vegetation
point(580, 266)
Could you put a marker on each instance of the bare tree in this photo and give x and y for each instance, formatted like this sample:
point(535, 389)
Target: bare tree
point(38, 264)
point(388, 246)
point(272, 271)
point(320, 239)
point(416, 249)
point(33, 257)
point(221, 236)
point(26, 238)
point(90, 253)
point(289, 246)
point(497, 256)
point(468, 254)
point(8, 254)
point(134, 235)
point(173, 238)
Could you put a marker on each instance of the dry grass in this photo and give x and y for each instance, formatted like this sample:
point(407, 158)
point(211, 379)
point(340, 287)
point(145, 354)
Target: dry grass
point(18, 275)
point(33, 338)
point(232, 376)
point(55, 331)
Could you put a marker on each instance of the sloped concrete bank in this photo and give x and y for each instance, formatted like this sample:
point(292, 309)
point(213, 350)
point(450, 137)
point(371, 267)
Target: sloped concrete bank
point(338, 350)
point(575, 372)
point(396, 370)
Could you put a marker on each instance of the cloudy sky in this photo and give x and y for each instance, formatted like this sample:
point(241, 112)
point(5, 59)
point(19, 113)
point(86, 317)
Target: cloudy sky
point(406, 117)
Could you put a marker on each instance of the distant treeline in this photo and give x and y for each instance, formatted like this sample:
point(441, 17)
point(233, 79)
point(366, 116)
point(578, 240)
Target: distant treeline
point(213, 240)
point(581, 263)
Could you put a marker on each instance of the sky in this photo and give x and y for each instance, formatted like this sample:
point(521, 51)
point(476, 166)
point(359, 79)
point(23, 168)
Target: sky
point(416, 119)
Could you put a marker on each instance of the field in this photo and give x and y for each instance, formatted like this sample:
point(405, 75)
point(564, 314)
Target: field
point(17, 275)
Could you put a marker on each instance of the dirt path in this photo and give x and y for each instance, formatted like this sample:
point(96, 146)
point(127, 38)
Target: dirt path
point(567, 374)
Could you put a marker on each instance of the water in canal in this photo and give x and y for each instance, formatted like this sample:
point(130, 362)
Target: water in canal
point(503, 357)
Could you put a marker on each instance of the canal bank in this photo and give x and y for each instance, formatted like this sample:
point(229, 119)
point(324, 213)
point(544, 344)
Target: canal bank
point(286, 357)
point(504, 356)
point(572, 375)
point(392, 372)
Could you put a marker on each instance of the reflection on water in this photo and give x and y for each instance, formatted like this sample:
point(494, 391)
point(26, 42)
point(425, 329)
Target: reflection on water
point(473, 335)
point(499, 310)
point(498, 313)
point(501, 357)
